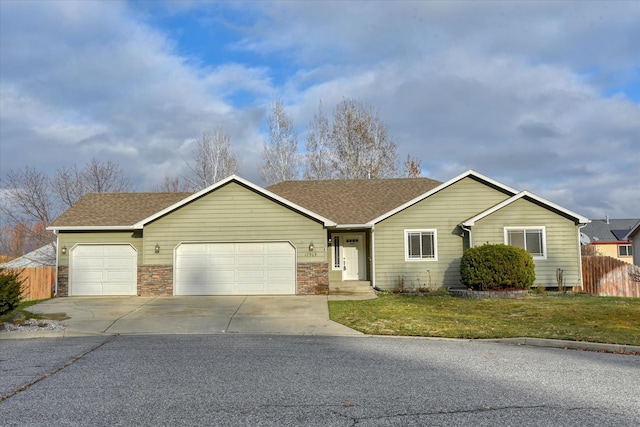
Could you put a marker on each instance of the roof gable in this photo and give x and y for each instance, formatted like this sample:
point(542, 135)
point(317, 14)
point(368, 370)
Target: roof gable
point(126, 211)
point(532, 197)
point(468, 174)
point(634, 230)
point(244, 183)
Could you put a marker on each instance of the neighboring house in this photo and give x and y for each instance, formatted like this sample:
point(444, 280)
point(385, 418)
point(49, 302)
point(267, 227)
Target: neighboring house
point(303, 237)
point(609, 237)
point(41, 257)
point(634, 237)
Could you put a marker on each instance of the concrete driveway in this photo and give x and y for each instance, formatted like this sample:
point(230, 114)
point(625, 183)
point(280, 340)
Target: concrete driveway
point(289, 315)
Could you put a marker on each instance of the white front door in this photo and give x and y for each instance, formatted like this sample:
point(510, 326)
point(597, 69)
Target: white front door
point(353, 263)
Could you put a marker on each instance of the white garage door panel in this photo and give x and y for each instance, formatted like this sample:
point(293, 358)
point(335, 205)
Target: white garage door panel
point(265, 268)
point(103, 270)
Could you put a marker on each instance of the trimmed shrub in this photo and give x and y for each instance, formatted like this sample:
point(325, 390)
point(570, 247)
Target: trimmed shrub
point(497, 267)
point(10, 294)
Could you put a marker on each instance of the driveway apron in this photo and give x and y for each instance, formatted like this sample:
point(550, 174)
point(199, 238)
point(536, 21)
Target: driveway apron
point(287, 315)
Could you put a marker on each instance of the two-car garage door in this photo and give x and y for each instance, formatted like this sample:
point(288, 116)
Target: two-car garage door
point(238, 268)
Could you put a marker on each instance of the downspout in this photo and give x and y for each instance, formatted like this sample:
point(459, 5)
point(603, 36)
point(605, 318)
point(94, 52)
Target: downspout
point(580, 227)
point(373, 258)
point(468, 230)
point(55, 285)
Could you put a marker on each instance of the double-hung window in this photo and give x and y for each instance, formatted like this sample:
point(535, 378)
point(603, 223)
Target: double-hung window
point(532, 239)
point(421, 245)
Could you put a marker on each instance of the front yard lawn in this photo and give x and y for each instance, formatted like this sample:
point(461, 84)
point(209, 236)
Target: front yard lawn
point(577, 318)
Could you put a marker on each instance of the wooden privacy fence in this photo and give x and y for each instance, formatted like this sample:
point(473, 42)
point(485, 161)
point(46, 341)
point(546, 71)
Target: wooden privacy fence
point(606, 276)
point(37, 282)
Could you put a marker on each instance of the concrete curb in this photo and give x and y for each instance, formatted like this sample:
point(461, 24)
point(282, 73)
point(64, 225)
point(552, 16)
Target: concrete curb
point(531, 342)
point(48, 334)
point(567, 345)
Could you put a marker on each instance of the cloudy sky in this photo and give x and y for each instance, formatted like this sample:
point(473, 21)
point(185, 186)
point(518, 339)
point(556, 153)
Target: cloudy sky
point(543, 96)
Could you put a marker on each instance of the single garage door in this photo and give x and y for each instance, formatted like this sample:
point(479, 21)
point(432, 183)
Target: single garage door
point(103, 270)
point(256, 268)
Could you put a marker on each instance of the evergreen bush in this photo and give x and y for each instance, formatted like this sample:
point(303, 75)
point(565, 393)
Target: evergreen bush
point(497, 267)
point(10, 294)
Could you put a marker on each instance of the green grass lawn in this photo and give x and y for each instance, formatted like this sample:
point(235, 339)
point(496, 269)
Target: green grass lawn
point(576, 318)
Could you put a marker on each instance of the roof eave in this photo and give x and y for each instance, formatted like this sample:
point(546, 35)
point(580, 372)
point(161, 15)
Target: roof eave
point(632, 231)
point(353, 226)
point(93, 228)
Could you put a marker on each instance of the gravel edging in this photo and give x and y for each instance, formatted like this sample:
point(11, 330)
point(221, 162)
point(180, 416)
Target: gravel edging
point(31, 325)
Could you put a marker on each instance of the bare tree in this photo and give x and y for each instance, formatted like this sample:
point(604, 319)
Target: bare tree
point(317, 159)
point(280, 150)
point(172, 184)
point(31, 199)
point(213, 160)
point(70, 183)
point(104, 177)
point(412, 167)
point(357, 145)
point(27, 201)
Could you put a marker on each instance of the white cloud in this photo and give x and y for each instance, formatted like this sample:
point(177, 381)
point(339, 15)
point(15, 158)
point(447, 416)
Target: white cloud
point(520, 91)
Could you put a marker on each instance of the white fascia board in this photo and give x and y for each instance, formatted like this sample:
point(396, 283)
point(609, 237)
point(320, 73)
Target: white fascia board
point(471, 221)
point(442, 187)
point(266, 193)
point(353, 226)
point(93, 228)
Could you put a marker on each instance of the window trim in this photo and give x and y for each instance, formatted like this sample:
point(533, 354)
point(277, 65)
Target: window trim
point(629, 249)
point(336, 264)
point(435, 244)
point(543, 229)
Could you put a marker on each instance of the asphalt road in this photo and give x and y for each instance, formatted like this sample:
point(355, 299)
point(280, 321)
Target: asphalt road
point(297, 380)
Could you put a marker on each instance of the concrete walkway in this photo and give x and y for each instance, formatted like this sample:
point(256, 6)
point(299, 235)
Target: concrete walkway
point(287, 315)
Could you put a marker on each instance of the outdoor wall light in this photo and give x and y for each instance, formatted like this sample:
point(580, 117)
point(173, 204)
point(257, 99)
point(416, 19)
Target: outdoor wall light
point(311, 247)
point(63, 250)
point(157, 248)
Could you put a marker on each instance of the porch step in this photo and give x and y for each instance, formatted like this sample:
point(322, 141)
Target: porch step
point(351, 287)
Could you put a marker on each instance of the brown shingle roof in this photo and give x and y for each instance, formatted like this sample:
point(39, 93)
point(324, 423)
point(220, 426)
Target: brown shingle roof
point(342, 201)
point(115, 209)
point(353, 201)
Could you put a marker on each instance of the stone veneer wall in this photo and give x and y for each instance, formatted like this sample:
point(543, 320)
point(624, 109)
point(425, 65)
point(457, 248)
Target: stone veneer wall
point(155, 280)
point(63, 281)
point(313, 278)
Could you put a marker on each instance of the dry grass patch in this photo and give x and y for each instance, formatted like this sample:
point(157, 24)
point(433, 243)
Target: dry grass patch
point(576, 318)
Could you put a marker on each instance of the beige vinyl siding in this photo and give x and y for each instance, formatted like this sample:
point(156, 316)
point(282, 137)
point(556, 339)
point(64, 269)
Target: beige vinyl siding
point(69, 239)
point(233, 213)
point(442, 211)
point(561, 236)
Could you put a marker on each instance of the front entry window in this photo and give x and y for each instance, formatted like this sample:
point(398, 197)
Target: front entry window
point(336, 253)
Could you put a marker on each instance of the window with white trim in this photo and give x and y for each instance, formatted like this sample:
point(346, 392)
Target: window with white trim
point(533, 239)
point(420, 245)
point(336, 253)
point(625, 250)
